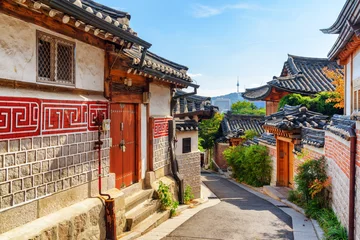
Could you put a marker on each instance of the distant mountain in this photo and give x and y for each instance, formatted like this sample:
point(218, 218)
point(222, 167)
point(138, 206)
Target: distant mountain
point(235, 97)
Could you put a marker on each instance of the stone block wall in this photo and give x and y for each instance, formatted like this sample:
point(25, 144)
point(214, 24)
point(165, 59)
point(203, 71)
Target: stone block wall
point(218, 154)
point(161, 152)
point(189, 168)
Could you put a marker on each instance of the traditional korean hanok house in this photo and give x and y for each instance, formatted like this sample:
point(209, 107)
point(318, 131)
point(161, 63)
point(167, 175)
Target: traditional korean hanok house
point(65, 66)
point(190, 109)
point(302, 75)
point(232, 128)
point(291, 126)
point(341, 145)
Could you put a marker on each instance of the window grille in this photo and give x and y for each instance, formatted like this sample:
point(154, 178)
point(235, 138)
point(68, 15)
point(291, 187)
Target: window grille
point(55, 59)
point(186, 145)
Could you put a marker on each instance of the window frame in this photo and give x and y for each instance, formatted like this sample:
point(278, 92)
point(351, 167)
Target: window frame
point(55, 40)
point(188, 148)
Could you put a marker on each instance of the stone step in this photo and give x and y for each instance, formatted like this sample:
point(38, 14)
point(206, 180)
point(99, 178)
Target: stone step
point(141, 212)
point(131, 190)
point(148, 224)
point(134, 200)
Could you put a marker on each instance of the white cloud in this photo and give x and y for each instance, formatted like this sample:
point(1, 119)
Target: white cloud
point(203, 11)
point(194, 75)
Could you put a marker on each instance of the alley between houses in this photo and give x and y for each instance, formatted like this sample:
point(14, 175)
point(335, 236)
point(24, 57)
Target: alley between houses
point(239, 215)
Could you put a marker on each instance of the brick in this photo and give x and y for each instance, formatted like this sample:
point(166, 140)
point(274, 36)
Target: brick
point(36, 168)
point(46, 142)
point(2, 175)
point(28, 182)
point(4, 189)
point(19, 198)
point(36, 142)
point(38, 180)
point(41, 154)
point(7, 201)
point(65, 150)
point(3, 146)
point(25, 144)
point(30, 194)
point(16, 186)
point(73, 149)
point(41, 191)
point(14, 145)
point(51, 188)
point(9, 160)
point(45, 166)
point(54, 140)
point(13, 173)
point(31, 156)
point(49, 153)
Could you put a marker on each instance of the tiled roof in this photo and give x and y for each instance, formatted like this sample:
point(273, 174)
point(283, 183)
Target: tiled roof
point(341, 126)
point(295, 117)
point(302, 75)
point(313, 137)
point(267, 138)
point(154, 64)
point(234, 125)
point(186, 125)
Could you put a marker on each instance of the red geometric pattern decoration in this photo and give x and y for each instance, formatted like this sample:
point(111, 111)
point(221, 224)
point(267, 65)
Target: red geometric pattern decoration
point(161, 127)
point(21, 117)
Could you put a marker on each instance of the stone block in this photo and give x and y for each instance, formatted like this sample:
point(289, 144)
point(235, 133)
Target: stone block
point(16, 186)
point(4, 146)
point(49, 153)
point(9, 160)
point(50, 234)
point(70, 160)
point(4, 189)
point(74, 181)
point(65, 230)
point(62, 140)
point(36, 168)
point(6, 202)
point(13, 173)
point(78, 169)
point(76, 159)
point(19, 197)
point(25, 144)
point(64, 173)
point(83, 157)
point(30, 194)
point(45, 166)
point(65, 150)
point(78, 137)
point(31, 156)
point(59, 185)
point(46, 142)
point(86, 167)
point(20, 158)
point(40, 155)
point(36, 142)
point(80, 224)
point(66, 183)
point(51, 188)
point(62, 162)
point(84, 137)
point(25, 170)
point(83, 178)
point(2, 175)
point(47, 177)
point(73, 149)
point(81, 147)
point(71, 171)
point(2, 161)
point(57, 152)
point(54, 140)
point(41, 191)
point(87, 147)
point(56, 175)
point(28, 182)
point(38, 180)
point(54, 164)
point(14, 145)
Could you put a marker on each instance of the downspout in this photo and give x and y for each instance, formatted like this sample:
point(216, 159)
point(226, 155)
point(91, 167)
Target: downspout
point(353, 140)
point(174, 166)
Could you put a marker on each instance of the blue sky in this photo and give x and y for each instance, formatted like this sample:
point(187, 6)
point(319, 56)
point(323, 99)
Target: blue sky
point(222, 40)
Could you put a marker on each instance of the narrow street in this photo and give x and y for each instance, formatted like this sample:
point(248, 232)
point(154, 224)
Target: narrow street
point(239, 215)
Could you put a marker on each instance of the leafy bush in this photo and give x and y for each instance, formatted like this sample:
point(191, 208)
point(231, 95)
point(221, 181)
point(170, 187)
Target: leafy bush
point(249, 134)
point(319, 103)
point(188, 195)
point(251, 164)
point(167, 199)
point(248, 108)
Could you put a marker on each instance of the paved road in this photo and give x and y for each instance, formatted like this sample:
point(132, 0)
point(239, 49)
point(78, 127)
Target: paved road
point(240, 215)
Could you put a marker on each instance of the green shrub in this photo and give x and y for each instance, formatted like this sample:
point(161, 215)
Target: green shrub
point(249, 134)
point(167, 199)
point(251, 164)
point(188, 195)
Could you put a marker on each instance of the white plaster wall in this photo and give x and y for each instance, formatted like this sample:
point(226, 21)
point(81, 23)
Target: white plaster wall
point(186, 134)
point(348, 89)
point(159, 100)
point(18, 55)
point(143, 141)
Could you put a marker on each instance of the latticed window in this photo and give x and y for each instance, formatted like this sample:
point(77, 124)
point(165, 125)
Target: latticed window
point(186, 145)
point(55, 59)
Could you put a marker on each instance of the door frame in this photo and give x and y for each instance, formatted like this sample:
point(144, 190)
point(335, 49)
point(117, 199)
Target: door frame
point(137, 105)
point(289, 161)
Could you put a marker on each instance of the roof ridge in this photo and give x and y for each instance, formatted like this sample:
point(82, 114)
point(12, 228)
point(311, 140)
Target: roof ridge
point(308, 58)
point(167, 61)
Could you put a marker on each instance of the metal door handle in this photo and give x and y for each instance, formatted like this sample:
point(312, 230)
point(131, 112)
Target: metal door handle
point(122, 146)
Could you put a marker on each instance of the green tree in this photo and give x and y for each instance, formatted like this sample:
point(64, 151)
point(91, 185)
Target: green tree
point(208, 130)
point(248, 108)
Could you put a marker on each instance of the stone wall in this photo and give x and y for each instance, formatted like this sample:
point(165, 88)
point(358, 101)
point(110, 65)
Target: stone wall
point(218, 154)
point(189, 168)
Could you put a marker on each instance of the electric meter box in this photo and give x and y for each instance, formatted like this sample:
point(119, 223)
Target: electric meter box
point(106, 125)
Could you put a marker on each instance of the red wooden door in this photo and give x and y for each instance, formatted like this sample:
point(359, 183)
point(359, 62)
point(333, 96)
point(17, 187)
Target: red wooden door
point(282, 163)
point(123, 152)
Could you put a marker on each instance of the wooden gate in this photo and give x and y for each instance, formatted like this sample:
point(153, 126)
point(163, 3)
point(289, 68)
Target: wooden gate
point(285, 163)
point(122, 151)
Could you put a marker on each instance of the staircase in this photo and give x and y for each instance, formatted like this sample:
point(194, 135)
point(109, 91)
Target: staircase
point(142, 214)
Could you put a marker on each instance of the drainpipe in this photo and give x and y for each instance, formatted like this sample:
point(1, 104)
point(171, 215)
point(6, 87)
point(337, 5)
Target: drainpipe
point(353, 141)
